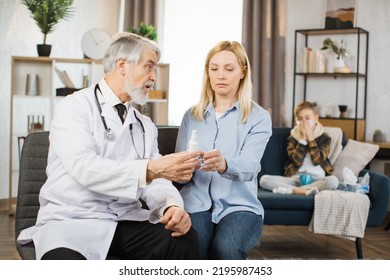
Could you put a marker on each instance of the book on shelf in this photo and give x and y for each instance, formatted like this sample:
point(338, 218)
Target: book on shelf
point(64, 77)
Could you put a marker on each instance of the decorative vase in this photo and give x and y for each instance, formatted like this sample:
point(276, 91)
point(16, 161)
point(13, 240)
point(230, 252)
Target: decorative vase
point(320, 61)
point(343, 111)
point(341, 64)
point(32, 84)
point(378, 137)
point(328, 110)
point(43, 49)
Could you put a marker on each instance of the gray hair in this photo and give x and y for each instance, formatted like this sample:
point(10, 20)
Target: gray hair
point(127, 46)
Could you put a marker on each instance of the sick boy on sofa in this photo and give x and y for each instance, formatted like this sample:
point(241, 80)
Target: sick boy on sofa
point(308, 169)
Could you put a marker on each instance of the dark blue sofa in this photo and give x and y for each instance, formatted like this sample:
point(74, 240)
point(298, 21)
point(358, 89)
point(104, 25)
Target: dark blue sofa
point(295, 210)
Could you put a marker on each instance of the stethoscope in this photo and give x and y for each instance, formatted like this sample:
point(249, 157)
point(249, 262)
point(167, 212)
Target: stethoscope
point(108, 132)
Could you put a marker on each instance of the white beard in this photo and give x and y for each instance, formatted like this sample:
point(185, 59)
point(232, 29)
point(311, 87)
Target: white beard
point(137, 94)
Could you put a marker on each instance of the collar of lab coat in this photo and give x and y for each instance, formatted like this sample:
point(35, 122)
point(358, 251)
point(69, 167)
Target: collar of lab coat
point(108, 99)
point(108, 112)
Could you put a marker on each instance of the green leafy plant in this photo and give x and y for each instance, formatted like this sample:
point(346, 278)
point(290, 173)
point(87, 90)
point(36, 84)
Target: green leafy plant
point(47, 13)
point(144, 30)
point(331, 44)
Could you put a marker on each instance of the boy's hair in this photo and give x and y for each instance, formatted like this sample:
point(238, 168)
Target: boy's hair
point(305, 105)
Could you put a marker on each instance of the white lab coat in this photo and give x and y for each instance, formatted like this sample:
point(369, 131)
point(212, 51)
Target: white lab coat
point(93, 182)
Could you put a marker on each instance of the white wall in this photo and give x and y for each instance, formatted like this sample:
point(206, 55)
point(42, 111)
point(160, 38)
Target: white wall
point(19, 36)
point(190, 30)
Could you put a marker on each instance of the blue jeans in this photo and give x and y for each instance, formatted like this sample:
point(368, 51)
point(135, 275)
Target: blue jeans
point(231, 238)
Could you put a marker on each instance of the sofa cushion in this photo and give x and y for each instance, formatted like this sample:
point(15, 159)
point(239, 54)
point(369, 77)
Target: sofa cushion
point(275, 154)
point(356, 155)
point(336, 144)
point(271, 200)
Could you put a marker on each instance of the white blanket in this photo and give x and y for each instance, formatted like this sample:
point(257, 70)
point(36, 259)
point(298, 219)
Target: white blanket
point(340, 213)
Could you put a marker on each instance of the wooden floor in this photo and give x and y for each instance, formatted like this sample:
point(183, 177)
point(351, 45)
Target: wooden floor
point(277, 242)
point(297, 242)
point(7, 237)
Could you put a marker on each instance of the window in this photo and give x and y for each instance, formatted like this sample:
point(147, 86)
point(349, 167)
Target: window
point(188, 30)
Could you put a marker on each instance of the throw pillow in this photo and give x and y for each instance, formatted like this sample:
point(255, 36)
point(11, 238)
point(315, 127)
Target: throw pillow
point(355, 155)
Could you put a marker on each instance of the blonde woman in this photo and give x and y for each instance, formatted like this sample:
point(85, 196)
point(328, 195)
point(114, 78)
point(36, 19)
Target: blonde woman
point(233, 132)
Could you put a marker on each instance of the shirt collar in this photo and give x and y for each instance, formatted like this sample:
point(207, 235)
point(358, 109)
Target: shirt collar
point(110, 97)
point(210, 107)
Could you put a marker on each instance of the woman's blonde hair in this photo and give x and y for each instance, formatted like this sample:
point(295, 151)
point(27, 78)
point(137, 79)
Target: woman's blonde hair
point(245, 89)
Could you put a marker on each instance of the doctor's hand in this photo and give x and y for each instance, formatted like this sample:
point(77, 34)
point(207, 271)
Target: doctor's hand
point(176, 167)
point(176, 220)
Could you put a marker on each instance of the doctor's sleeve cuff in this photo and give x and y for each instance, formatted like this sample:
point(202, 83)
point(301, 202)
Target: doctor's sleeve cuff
point(170, 201)
point(142, 174)
point(162, 210)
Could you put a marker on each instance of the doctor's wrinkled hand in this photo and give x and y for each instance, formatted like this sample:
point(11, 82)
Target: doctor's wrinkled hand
point(177, 220)
point(176, 167)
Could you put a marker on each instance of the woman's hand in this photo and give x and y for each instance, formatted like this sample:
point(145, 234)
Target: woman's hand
point(214, 161)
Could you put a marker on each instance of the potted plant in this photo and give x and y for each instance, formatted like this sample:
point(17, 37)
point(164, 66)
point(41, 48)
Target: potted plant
point(47, 13)
point(144, 30)
point(341, 53)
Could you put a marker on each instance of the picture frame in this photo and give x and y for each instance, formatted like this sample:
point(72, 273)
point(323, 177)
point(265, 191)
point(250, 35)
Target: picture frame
point(340, 14)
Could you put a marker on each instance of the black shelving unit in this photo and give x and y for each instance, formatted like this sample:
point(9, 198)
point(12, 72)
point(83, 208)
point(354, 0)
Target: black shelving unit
point(353, 127)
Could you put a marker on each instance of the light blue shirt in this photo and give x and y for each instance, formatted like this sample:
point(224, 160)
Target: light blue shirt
point(242, 145)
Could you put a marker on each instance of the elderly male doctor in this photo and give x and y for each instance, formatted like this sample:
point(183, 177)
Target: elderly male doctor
point(102, 172)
